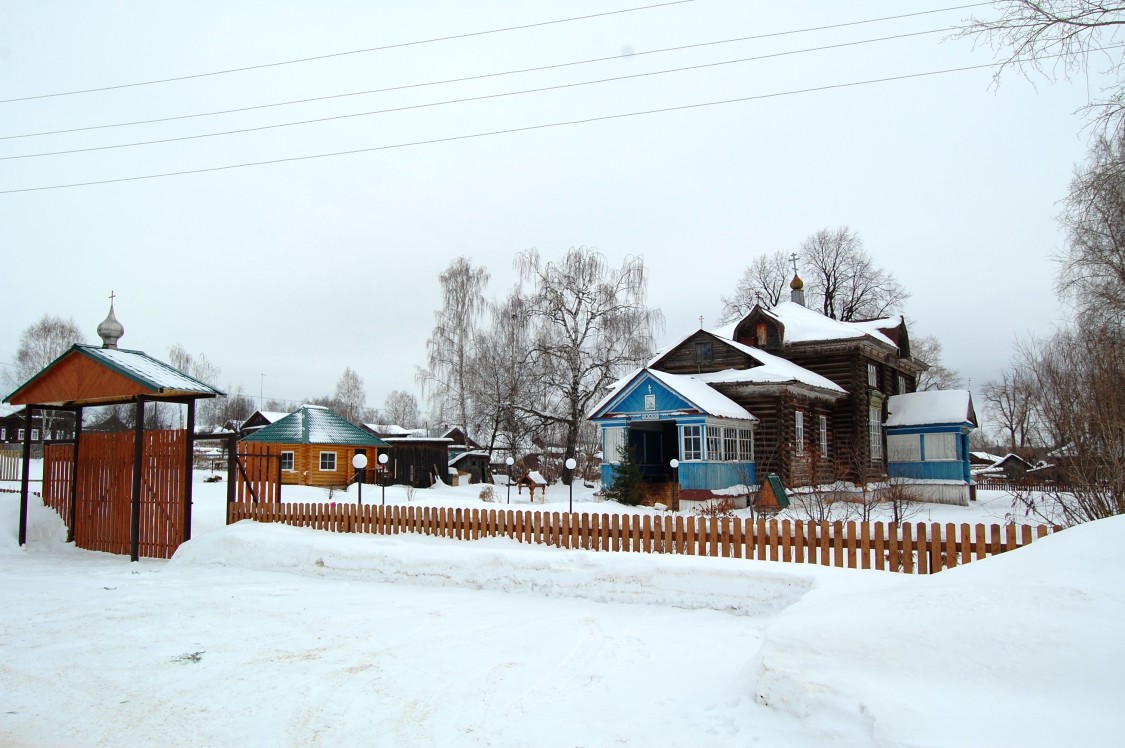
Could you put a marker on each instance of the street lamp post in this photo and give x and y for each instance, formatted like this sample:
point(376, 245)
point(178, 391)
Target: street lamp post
point(383, 458)
point(359, 462)
point(675, 465)
point(509, 462)
point(570, 465)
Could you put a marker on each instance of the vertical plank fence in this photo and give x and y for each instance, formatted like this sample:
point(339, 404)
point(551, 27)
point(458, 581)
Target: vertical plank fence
point(907, 548)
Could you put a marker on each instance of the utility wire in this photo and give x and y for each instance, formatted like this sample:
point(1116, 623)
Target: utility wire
point(527, 128)
point(482, 76)
point(468, 99)
point(350, 52)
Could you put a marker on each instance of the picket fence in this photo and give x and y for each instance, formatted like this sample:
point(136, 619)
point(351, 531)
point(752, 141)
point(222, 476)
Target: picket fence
point(10, 464)
point(912, 548)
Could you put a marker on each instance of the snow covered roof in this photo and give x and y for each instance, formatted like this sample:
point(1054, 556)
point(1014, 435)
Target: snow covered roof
point(140, 367)
point(805, 325)
point(931, 407)
point(772, 369)
point(315, 424)
point(688, 386)
point(273, 416)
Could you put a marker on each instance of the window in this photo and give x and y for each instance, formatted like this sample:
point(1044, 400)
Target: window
point(703, 352)
point(328, 462)
point(872, 376)
point(730, 444)
point(287, 461)
point(612, 439)
point(714, 444)
point(762, 334)
point(904, 448)
point(35, 435)
point(3, 434)
point(746, 445)
point(901, 384)
point(693, 443)
point(823, 423)
point(799, 437)
point(875, 433)
point(19, 435)
point(940, 447)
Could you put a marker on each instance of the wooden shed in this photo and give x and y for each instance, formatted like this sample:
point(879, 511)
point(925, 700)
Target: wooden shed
point(418, 462)
point(313, 446)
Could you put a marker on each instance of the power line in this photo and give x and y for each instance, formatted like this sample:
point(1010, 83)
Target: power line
point(350, 52)
point(472, 98)
point(486, 75)
point(509, 131)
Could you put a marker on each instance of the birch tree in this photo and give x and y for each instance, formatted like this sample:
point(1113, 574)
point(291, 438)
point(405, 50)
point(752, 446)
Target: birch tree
point(401, 408)
point(450, 347)
point(844, 280)
point(41, 343)
point(927, 349)
point(350, 397)
point(589, 324)
point(764, 281)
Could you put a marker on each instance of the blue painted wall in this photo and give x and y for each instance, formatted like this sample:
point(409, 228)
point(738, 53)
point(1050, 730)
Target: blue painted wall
point(935, 470)
point(633, 400)
point(704, 475)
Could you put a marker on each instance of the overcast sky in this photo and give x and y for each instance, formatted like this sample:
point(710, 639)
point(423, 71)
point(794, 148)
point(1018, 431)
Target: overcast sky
point(285, 274)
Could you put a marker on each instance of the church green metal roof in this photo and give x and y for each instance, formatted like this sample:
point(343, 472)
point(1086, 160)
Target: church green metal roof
point(315, 424)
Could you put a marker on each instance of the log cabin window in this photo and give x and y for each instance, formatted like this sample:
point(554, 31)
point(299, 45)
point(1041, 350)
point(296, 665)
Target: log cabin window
point(3, 434)
point(693, 443)
point(823, 423)
point(875, 433)
point(35, 435)
point(328, 462)
point(703, 352)
point(872, 376)
point(19, 435)
point(763, 333)
point(799, 438)
point(287, 461)
point(901, 384)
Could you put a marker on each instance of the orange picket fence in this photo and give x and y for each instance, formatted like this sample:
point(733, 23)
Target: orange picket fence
point(912, 548)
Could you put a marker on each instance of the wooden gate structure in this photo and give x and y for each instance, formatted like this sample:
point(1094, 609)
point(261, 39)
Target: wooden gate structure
point(128, 490)
point(258, 474)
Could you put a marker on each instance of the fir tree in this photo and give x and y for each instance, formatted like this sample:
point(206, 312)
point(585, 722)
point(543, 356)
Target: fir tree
point(627, 486)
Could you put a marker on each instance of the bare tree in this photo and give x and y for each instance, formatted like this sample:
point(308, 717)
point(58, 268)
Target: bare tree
point(198, 367)
point(1092, 269)
point(1058, 38)
point(763, 282)
point(235, 408)
point(450, 346)
point(401, 408)
point(41, 343)
point(590, 322)
point(843, 278)
point(927, 349)
point(1080, 379)
point(1011, 400)
point(350, 397)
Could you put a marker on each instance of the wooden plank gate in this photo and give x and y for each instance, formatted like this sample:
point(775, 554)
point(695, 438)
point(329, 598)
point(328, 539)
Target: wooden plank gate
point(97, 507)
point(258, 473)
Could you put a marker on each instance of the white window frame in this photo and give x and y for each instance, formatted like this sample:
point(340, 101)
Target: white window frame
point(19, 434)
point(714, 446)
point(944, 445)
point(901, 384)
point(730, 444)
point(872, 376)
point(691, 447)
point(3, 434)
point(875, 432)
point(650, 402)
point(746, 445)
point(799, 435)
point(612, 439)
point(335, 463)
point(904, 448)
point(35, 435)
point(822, 423)
point(292, 460)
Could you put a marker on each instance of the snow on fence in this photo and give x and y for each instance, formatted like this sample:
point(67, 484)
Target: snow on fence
point(912, 548)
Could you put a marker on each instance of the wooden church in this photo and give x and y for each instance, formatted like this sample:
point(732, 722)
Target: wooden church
point(784, 390)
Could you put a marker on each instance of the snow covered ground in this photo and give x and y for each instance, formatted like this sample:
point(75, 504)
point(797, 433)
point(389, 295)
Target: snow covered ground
point(272, 635)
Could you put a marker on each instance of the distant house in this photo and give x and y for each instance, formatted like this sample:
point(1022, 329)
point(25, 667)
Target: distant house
point(928, 442)
point(314, 446)
point(418, 461)
point(1008, 467)
point(473, 465)
point(46, 426)
point(259, 419)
